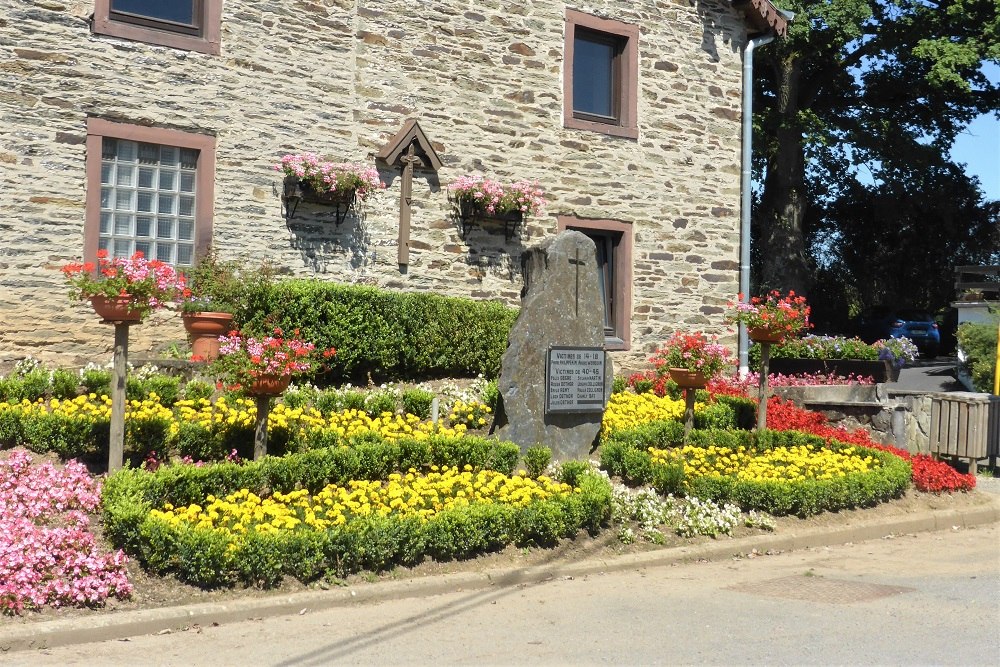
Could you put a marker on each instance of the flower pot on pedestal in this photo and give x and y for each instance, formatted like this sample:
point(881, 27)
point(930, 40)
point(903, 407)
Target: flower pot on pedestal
point(269, 385)
point(764, 335)
point(116, 309)
point(204, 329)
point(686, 379)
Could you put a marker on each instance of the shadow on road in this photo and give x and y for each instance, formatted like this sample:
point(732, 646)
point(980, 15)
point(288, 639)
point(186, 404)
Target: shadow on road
point(503, 586)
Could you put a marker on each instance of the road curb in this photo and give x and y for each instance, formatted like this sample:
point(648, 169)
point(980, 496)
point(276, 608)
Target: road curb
point(121, 625)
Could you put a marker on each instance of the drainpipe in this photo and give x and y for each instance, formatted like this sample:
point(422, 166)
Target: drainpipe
point(745, 188)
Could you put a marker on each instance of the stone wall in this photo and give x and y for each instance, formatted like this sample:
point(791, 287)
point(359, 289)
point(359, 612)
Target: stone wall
point(339, 78)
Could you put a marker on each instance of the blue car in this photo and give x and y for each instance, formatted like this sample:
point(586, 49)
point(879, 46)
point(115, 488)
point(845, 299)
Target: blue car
point(917, 325)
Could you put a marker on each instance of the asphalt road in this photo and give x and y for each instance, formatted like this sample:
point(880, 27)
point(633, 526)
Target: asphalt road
point(929, 375)
point(930, 598)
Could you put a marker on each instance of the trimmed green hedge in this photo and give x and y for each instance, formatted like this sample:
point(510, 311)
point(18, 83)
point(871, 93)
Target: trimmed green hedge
point(374, 543)
point(626, 455)
point(207, 558)
point(390, 335)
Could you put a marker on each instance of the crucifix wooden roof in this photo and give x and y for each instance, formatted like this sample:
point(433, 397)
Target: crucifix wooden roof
point(411, 133)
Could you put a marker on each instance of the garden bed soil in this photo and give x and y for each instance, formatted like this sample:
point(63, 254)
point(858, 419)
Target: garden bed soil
point(155, 592)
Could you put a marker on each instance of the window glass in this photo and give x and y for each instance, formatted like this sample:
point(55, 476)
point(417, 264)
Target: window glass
point(594, 75)
point(149, 191)
point(175, 11)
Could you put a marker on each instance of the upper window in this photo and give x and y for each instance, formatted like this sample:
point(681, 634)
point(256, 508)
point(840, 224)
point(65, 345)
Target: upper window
point(155, 192)
point(613, 245)
point(185, 24)
point(600, 76)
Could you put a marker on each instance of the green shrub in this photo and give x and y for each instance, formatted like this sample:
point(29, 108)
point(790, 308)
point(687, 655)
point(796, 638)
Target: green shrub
point(11, 427)
point(570, 472)
point(377, 402)
point(167, 388)
point(63, 384)
point(340, 400)
point(619, 383)
point(28, 386)
point(978, 342)
point(198, 390)
point(384, 334)
point(54, 432)
point(418, 402)
point(491, 394)
point(536, 460)
point(96, 381)
point(198, 442)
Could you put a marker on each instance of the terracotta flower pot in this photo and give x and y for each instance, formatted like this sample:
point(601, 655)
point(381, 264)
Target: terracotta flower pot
point(686, 379)
point(204, 328)
point(116, 309)
point(269, 385)
point(764, 335)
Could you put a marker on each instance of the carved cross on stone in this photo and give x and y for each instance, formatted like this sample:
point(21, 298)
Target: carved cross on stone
point(578, 262)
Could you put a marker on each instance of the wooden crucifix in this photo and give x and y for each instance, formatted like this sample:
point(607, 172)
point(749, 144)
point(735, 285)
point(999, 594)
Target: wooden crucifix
point(409, 161)
point(406, 151)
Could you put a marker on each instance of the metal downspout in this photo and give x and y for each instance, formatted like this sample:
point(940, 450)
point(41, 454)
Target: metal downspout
point(744, 347)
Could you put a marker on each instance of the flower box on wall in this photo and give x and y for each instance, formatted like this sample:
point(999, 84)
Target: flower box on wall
point(338, 184)
point(472, 214)
point(485, 201)
point(880, 370)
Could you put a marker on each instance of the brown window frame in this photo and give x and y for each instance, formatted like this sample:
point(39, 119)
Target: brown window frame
point(98, 129)
point(203, 37)
point(625, 73)
point(618, 235)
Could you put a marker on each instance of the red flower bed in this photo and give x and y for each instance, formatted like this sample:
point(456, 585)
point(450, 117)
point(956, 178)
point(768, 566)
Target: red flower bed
point(929, 474)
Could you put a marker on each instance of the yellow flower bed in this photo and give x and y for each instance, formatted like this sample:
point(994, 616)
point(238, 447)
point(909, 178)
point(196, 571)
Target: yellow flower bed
point(91, 408)
point(786, 464)
point(226, 413)
point(411, 494)
point(627, 410)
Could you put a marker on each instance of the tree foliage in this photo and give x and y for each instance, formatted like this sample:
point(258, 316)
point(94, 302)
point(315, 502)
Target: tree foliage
point(857, 110)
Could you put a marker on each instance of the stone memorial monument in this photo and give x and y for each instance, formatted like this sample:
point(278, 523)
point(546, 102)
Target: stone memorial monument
point(555, 377)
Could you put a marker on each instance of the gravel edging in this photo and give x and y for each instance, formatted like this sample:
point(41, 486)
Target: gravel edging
point(121, 625)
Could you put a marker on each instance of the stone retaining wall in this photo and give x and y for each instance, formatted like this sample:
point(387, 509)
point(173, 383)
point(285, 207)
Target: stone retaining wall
point(339, 78)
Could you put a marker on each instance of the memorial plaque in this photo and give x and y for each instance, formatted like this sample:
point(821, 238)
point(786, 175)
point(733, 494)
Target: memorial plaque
point(574, 379)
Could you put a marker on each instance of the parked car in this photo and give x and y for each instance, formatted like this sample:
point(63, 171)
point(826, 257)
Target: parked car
point(917, 325)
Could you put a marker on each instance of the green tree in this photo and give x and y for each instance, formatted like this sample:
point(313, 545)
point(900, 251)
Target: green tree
point(882, 84)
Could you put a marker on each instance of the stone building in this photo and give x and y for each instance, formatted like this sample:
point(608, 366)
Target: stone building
point(156, 125)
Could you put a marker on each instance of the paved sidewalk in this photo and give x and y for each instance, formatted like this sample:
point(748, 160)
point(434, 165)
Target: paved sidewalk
point(121, 625)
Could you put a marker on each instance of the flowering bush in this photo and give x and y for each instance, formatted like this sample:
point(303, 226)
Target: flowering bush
point(150, 284)
point(213, 285)
point(331, 177)
point(777, 314)
point(48, 556)
point(242, 359)
point(929, 474)
point(492, 198)
point(626, 410)
point(897, 351)
point(824, 347)
point(692, 352)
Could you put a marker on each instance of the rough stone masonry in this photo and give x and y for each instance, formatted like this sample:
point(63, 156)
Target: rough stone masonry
point(339, 78)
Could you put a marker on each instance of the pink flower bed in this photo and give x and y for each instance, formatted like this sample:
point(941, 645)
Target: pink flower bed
point(48, 556)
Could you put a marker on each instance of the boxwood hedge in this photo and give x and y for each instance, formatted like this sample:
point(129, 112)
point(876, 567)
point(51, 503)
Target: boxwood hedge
point(207, 558)
point(381, 333)
point(626, 455)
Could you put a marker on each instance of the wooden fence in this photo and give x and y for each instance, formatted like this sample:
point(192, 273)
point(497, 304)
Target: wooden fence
point(966, 426)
